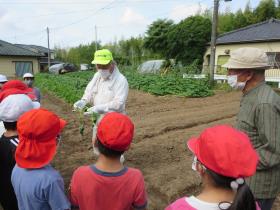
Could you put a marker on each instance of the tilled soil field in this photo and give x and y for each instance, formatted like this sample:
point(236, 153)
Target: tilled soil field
point(163, 124)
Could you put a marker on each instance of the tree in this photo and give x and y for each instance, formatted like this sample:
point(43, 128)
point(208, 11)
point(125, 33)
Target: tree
point(265, 10)
point(187, 40)
point(249, 15)
point(156, 36)
point(240, 20)
point(225, 22)
point(278, 10)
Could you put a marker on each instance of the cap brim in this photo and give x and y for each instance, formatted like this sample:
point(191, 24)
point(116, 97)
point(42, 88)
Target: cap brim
point(36, 104)
point(234, 65)
point(192, 145)
point(62, 124)
point(101, 62)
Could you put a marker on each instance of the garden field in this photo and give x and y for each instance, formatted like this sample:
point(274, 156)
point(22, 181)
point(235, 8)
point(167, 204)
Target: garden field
point(163, 124)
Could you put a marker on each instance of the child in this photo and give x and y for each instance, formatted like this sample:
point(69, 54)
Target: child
point(37, 185)
point(108, 184)
point(11, 108)
point(223, 158)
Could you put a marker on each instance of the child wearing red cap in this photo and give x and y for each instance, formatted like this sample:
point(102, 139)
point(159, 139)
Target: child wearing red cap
point(224, 157)
point(108, 184)
point(36, 183)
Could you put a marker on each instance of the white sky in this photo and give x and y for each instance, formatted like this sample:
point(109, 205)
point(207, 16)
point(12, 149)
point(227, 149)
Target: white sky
point(72, 22)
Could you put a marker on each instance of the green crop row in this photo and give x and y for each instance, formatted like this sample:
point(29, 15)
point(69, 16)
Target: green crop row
point(71, 86)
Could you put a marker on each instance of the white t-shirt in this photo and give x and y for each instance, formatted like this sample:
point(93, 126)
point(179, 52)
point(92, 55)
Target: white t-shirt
point(193, 203)
point(201, 205)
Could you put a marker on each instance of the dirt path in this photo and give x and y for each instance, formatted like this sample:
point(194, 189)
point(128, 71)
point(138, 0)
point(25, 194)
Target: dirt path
point(163, 124)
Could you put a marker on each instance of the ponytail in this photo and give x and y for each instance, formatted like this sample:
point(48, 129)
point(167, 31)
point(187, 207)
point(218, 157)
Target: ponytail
point(244, 198)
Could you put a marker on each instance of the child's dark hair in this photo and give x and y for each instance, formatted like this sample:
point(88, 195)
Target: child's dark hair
point(10, 125)
point(107, 151)
point(244, 198)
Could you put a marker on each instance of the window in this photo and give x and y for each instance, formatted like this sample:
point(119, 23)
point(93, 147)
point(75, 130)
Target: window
point(274, 59)
point(23, 67)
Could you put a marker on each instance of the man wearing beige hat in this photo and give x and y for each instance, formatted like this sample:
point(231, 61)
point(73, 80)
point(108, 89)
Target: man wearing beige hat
point(259, 117)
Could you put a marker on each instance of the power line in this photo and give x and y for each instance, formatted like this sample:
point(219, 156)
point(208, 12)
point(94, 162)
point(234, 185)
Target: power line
point(87, 17)
point(107, 6)
point(77, 2)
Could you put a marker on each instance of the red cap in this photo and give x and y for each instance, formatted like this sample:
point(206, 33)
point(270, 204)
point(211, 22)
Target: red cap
point(115, 131)
point(17, 84)
point(226, 151)
point(38, 130)
point(16, 87)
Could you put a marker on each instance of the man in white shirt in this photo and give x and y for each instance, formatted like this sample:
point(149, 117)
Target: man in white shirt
point(108, 89)
point(106, 92)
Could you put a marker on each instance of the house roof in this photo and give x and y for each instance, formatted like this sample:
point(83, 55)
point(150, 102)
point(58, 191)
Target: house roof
point(261, 32)
point(52, 61)
point(7, 48)
point(35, 48)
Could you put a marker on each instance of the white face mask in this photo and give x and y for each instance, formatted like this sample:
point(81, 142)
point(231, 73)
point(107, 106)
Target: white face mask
point(29, 82)
point(232, 81)
point(105, 73)
point(194, 163)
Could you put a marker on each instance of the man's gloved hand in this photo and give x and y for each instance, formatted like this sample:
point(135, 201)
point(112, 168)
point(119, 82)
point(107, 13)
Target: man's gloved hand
point(91, 110)
point(79, 105)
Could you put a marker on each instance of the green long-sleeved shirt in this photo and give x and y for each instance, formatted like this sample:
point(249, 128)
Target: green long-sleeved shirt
point(259, 117)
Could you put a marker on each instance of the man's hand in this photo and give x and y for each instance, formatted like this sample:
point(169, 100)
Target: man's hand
point(91, 110)
point(79, 105)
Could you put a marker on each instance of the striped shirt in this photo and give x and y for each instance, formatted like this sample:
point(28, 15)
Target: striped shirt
point(259, 117)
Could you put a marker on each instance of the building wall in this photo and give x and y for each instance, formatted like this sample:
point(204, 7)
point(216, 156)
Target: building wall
point(7, 64)
point(267, 47)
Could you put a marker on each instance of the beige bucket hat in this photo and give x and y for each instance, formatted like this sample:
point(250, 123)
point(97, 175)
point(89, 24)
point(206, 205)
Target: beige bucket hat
point(247, 58)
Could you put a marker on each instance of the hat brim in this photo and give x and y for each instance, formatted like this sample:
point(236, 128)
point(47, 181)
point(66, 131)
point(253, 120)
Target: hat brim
point(105, 62)
point(36, 104)
point(62, 124)
point(192, 145)
point(235, 65)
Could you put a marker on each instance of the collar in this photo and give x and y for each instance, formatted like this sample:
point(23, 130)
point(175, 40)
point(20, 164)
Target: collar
point(254, 89)
point(108, 174)
point(114, 73)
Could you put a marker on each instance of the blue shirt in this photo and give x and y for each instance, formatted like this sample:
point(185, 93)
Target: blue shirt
point(41, 188)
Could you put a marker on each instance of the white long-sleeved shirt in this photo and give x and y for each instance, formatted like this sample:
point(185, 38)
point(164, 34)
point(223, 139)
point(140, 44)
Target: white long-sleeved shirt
point(108, 95)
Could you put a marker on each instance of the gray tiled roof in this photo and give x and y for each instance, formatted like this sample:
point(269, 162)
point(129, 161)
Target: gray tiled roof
point(35, 48)
point(7, 48)
point(265, 31)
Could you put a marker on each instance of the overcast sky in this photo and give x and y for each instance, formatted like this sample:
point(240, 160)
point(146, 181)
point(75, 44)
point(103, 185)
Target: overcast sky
point(72, 22)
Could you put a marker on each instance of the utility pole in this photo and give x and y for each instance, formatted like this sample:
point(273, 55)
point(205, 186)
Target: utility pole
point(213, 41)
point(49, 58)
point(96, 48)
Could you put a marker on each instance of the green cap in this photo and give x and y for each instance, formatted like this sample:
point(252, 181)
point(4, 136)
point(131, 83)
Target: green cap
point(102, 57)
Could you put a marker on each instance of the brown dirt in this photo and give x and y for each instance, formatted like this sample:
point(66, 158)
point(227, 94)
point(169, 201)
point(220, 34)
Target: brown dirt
point(163, 124)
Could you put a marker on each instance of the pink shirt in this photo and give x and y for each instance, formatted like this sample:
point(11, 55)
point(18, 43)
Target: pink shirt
point(92, 188)
point(192, 203)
